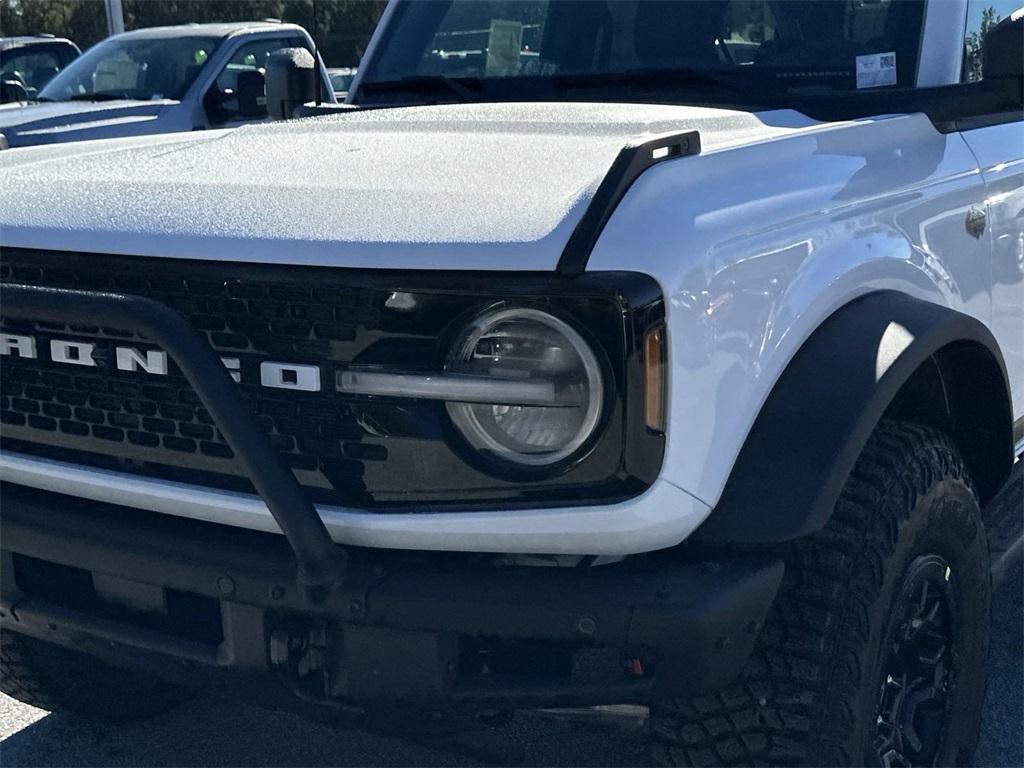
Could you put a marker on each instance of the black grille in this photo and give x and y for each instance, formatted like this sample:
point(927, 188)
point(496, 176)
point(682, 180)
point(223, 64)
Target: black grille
point(160, 419)
point(344, 449)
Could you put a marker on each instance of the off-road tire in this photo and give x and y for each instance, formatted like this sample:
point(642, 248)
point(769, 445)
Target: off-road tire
point(53, 678)
point(810, 694)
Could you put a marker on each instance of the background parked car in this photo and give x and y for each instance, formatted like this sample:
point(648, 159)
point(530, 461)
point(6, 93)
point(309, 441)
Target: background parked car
point(158, 80)
point(30, 62)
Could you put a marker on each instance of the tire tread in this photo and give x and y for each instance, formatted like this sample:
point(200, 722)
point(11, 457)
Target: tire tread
point(792, 705)
point(49, 677)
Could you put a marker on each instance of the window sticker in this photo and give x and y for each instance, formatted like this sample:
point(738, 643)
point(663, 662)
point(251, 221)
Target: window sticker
point(503, 46)
point(876, 70)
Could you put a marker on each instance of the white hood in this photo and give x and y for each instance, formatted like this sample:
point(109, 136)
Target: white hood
point(484, 186)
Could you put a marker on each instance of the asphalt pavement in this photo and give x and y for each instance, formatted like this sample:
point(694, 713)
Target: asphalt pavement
point(213, 732)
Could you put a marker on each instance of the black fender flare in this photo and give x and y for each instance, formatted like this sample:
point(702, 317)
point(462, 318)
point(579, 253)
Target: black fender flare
point(822, 410)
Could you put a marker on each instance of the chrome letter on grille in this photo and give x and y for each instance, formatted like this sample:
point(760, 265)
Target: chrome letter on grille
point(234, 366)
point(288, 376)
point(24, 346)
point(131, 359)
point(72, 352)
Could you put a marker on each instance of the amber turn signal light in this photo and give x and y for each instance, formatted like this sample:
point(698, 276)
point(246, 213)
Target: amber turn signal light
point(654, 378)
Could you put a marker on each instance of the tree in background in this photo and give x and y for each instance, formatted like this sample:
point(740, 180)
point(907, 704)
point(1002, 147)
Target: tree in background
point(340, 28)
point(973, 44)
point(80, 20)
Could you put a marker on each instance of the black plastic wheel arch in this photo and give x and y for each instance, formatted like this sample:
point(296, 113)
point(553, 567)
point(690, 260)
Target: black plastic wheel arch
point(813, 427)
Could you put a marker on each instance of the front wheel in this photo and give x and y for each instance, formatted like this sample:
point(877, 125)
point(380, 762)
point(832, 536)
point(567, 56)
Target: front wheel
point(874, 652)
point(53, 678)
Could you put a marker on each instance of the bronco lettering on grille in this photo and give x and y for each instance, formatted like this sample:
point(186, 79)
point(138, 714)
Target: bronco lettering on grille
point(154, 361)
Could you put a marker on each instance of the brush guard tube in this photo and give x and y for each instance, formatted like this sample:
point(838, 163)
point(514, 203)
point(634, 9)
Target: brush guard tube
point(321, 563)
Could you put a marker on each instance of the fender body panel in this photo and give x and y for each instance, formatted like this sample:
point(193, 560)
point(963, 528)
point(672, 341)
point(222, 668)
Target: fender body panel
point(54, 122)
point(822, 412)
point(756, 246)
point(1000, 153)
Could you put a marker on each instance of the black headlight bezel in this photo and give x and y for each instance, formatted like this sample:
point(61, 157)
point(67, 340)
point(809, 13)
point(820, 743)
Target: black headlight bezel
point(397, 454)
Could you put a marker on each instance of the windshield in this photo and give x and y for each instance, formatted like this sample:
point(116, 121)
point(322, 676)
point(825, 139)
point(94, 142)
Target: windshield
point(132, 68)
point(480, 49)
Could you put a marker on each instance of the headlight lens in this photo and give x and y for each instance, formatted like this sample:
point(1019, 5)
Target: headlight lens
point(529, 345)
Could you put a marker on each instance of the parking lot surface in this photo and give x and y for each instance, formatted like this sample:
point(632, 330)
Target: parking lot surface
point(212, 732)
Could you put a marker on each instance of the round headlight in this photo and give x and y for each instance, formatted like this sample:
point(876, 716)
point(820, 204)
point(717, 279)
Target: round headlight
point(553, 391)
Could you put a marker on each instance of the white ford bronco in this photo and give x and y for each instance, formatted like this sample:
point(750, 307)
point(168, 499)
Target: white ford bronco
point(663, 353)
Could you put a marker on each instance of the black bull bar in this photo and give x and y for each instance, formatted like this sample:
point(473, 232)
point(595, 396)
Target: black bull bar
point(321, 562)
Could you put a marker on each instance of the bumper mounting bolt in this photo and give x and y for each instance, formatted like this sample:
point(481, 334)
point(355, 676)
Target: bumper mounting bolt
point(226, 585)
point(355, 608)
point(276, 592)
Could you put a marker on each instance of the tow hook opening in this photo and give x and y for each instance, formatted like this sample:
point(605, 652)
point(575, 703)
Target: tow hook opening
point(366, 665)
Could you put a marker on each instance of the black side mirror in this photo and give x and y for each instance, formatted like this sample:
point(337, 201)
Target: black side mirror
point(1002, 51)
point(291, 81)
point(13, 90)
point(252, 102)
point(215, 104)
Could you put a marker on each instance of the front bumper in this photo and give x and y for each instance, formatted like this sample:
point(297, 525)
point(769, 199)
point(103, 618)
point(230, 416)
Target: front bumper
point(659, 518)
point(183, 598)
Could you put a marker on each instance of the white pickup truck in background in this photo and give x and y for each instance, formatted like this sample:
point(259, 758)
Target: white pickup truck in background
point(158, 80)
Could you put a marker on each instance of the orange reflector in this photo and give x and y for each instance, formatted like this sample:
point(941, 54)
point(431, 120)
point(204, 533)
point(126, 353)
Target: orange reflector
point(654, 378)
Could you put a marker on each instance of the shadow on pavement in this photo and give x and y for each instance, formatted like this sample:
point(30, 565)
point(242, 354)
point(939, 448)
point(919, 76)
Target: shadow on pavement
point(215, 732)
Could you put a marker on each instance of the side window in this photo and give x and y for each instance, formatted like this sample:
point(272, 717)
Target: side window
point(239, 91)
point(34, 68)
point(982, 15)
